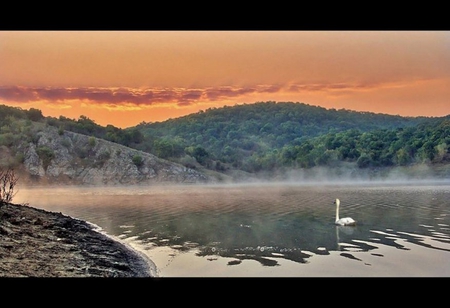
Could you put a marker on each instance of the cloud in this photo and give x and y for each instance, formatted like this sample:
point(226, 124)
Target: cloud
point(17, 94)
point(118, 96)
point(326, 87)
point(97, 95)
point(353, 87)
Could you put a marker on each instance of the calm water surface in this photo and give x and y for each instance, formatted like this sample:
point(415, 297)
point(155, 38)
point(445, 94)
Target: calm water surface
point(269, 230)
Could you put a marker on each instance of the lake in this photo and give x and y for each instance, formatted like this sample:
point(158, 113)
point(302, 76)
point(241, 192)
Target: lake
point(270, 229)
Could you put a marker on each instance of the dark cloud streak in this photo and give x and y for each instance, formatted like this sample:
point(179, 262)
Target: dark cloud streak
point(182, 97)
point(148, 97)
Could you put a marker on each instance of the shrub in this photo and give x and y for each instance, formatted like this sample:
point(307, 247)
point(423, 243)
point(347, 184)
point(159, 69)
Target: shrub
point(65, 143)
point(102, 158)
point(46, 154)
point(105, 155)
point(137, 160)
point(91, 141)
point(7, 139)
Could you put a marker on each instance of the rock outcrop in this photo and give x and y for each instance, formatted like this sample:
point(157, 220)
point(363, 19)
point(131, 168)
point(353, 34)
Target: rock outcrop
point(79, 159)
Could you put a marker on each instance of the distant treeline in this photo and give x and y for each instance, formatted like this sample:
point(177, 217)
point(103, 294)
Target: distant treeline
point(266, 136)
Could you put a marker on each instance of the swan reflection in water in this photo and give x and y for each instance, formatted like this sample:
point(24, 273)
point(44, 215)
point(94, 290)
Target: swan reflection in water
point(347, 230)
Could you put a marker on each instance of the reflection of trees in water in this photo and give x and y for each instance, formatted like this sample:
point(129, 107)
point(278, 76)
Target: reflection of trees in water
point(388, 237)
point(294, 240)
point(418, 239)
point(351, 239)
point(264, 255)
point(246, 237)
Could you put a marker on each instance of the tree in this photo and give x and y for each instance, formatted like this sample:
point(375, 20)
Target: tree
point(136, 136)
point(364, 161)
point(428, 151)
point(199, 153)
point(402, 157)
point(8, 181)
point(34, 114)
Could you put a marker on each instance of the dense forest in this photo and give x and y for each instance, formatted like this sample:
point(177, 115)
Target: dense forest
point(269, 136)
point(259, 137)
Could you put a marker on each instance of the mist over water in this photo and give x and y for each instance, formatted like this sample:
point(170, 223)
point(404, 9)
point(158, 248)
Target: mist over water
point(350, 174)
point(271, 229)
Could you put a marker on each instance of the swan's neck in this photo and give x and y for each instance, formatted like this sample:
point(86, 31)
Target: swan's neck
point(337, 211)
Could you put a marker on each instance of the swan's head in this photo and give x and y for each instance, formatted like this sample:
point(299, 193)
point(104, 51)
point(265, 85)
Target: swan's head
point(337, 202)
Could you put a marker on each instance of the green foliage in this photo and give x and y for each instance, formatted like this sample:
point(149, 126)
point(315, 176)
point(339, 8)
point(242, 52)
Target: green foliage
point(165, 148)
point(137, 160)
point(34, 114)
point(105, 155)
point(19, 159)
point(441, 151)
point(91, 141)
point(82, 152)
point(7, 139)
point(102, 158)
point(402, 157)
point(65, 143)
point(188, 161)
point(46, 155)
point(6, 111)
point(199, 153)
point(364, 161)
point(245, 135)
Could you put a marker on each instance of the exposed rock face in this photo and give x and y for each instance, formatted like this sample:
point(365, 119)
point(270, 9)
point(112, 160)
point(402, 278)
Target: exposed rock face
point(32, 163)
point(82, 159)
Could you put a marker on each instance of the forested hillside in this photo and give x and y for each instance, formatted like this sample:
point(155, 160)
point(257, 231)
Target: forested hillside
point(268, 136)
point(264, 137)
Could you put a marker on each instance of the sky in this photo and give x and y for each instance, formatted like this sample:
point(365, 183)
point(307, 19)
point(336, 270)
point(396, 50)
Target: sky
point(124, 78)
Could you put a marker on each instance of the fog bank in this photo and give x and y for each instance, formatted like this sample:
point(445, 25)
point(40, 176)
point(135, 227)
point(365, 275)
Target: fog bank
point(350, 174)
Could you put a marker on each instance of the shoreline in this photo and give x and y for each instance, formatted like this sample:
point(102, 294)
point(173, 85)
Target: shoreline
point(145, 264)
point(39, 243)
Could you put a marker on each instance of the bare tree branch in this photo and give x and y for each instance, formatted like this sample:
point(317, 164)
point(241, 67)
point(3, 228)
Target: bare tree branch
point(8, 181)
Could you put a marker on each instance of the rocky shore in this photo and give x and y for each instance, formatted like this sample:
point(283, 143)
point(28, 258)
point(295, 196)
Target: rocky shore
point(39, 243)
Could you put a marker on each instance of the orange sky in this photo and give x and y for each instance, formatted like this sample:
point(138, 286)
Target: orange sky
point(126, 77)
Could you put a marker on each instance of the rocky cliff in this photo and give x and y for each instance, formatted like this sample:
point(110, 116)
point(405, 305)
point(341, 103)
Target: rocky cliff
point(57, 156)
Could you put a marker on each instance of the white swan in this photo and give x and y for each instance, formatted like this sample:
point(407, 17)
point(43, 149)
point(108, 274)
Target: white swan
point(347, 221)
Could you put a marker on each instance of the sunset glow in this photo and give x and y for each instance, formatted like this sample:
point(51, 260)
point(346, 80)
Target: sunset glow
point(127, 77)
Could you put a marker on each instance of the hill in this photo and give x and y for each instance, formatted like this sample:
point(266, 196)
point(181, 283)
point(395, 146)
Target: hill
point(274, 137)
point(265, 139)
point(42, 154)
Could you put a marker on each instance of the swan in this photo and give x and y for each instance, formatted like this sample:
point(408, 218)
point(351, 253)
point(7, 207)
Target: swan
point(346, 221)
